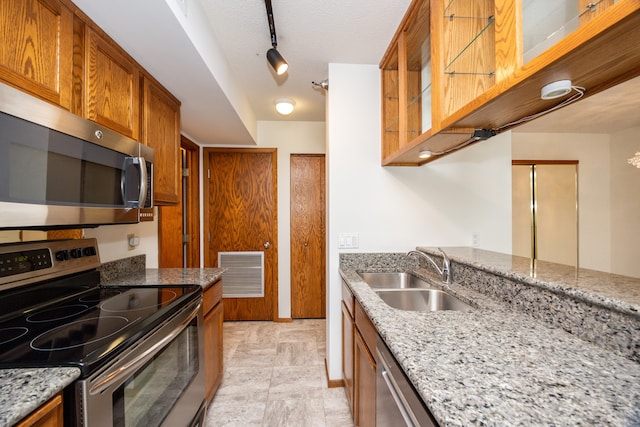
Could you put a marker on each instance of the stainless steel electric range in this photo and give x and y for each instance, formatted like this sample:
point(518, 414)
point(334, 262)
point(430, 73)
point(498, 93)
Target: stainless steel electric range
point(139, 350)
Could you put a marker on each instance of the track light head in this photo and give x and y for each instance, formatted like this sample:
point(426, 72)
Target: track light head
point(277, 61)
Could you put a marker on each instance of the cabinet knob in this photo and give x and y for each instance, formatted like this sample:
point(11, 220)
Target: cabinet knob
point(267, 245)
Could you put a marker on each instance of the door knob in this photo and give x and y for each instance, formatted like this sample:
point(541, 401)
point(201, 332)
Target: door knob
point(267, 245)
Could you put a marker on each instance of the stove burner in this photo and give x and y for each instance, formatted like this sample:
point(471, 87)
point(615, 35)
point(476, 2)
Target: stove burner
point(80, 333)
point(138, 300)
point(57, 313)
point(10, 334)
point(98, 296)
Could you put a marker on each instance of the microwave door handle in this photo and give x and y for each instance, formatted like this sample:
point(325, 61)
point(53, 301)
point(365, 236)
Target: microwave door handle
point(123, 180)
point(142, 185)
point(143, 181)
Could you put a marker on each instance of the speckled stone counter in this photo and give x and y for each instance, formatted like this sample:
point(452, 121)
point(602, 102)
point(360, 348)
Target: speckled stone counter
point(496, 365)
point(204, 277)
point(24, 390)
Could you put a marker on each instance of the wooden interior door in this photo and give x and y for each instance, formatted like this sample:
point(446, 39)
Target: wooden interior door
point(241, 216)
point(308, 236)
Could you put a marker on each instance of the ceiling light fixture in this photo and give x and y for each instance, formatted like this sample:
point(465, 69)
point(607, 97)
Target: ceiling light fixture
point(555, 90)
point(635, 161)
point(276, 60)
point(285, 106)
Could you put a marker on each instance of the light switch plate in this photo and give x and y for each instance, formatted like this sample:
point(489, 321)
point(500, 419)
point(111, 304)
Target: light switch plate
point(348, 241)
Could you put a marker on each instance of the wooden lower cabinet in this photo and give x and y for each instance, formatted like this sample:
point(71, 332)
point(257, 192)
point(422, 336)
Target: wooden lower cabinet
point(365, 384)
point(213, 317)
point(366, 337)
point(347, 355)
point(48, 415)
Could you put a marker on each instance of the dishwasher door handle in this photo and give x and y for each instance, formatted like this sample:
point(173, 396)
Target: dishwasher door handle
point(401, 403)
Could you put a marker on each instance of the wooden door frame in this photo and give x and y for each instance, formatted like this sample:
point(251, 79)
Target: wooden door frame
point(192, 210)
point(193, 201)
point(206, 231)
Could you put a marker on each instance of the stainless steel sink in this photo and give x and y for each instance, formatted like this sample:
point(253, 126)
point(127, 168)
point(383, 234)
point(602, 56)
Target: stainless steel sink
point(398, 280)
point(422, 300)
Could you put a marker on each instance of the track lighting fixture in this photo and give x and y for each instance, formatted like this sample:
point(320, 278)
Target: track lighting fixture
point(276, 60)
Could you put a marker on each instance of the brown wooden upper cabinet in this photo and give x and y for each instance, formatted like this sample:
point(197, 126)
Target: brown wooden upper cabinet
point(161, 131)
point(36, 49)
point(455, 68)
point(112, 86)
point(52, 50)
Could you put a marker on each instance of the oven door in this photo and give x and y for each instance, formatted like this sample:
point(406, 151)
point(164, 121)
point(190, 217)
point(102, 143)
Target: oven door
point(157, 382)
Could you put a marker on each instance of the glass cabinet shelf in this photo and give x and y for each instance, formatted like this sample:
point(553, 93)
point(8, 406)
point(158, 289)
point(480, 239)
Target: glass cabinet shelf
point(450, 67)
point(546, 22)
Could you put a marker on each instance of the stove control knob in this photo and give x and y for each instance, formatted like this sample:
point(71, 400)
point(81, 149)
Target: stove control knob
point(89, 251)
point(62, 255)
point(76, 253)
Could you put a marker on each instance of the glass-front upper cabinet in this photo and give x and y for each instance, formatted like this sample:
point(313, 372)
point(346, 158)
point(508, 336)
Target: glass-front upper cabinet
point(406, 81)
point(418, 63)
point(545, 22)
point(468, 61)
point(390, 105)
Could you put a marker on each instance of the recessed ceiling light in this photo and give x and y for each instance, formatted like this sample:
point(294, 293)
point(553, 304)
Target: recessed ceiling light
point(285, 106)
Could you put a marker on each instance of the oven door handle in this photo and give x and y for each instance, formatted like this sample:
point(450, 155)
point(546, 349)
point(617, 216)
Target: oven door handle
point(102, 383)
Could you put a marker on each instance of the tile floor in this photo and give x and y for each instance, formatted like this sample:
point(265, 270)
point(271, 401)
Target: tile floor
point(275, 376)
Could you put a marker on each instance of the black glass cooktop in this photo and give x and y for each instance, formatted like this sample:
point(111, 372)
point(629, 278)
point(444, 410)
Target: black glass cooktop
point(86, 328)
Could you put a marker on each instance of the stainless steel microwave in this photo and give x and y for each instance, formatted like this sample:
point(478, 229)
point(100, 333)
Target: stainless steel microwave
point(58, 170)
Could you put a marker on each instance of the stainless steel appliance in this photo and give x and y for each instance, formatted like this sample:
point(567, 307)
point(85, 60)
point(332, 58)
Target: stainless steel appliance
point(397, 402)
point(139, 349)
point(60, 170)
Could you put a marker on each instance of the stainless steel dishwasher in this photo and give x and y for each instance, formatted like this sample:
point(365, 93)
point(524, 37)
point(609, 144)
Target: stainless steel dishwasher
point(397, 403)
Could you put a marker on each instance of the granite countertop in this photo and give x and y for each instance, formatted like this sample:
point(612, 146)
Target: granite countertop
point(204, 277)
point(24, 390)
point(495, 366)
point(621, 293)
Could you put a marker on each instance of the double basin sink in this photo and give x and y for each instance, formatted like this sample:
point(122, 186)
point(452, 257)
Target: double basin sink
point(406, 291)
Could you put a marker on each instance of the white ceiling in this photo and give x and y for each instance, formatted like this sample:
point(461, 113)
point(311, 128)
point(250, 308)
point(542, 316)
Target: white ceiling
point(211, 53)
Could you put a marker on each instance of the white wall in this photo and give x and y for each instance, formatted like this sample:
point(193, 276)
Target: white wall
point(594, 216)
point(289, 138)
point(113, 242)
point(625, 203)
point(399, 208)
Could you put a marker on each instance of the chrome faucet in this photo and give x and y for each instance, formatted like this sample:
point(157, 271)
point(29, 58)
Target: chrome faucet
point(444, 272)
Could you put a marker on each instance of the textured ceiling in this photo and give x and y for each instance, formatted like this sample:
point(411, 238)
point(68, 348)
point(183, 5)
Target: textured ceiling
point(218, 69)
point(310, 35)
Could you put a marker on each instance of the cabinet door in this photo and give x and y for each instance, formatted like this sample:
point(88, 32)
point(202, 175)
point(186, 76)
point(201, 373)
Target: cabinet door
point(213, 349)
point(112, 91)
point(347, 355)
point(36, 49)
point(365, 384)
point(161, 131)
point(48, 415)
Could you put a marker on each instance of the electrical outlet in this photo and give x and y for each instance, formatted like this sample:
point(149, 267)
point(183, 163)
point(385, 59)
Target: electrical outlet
point(475, 239)
point(132, 241)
